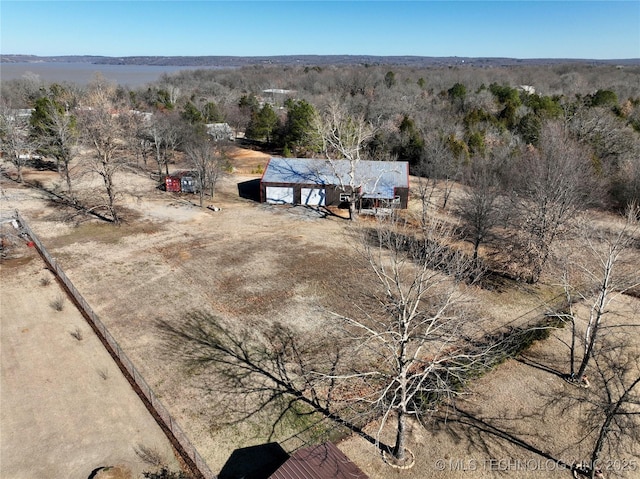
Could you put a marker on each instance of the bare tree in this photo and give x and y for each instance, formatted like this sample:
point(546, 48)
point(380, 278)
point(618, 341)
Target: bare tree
point(552, 183)
point(398, 359)
point(206, 159)
point(439, 166)
point(344, 137)
point(139, 139)
point(165, 132)
point(609, 273)
point(478, 207)
point(416, 349)
point(104, 129)
point(16, 143)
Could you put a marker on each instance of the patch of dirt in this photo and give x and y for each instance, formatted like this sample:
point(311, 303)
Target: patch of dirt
point(248, 162)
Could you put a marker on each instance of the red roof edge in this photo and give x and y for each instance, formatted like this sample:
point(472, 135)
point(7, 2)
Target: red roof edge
point(325, 461)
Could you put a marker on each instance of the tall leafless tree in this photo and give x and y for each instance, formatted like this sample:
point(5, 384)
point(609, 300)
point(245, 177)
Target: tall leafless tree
point(550, 185)
point(16, 143)
point(416, 348)
point(344, 137)
point(206, 158)
point(610, 271)
point(104, 129)
point(478, 207)
point(165, 131)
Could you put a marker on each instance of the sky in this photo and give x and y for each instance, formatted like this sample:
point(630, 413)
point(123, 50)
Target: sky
point(516, 29)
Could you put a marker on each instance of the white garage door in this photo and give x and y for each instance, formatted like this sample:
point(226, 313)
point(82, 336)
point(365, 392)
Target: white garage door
point(279, 195)
point(313, 196)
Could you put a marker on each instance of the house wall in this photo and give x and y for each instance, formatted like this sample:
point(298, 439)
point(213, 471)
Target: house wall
point(403, 193)
point(331, 192)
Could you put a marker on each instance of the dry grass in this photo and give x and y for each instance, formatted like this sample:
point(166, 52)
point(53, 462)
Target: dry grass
point(253, 264)
point(58, 303)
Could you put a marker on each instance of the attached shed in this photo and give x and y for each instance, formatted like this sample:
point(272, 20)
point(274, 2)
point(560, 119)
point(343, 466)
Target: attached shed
point(325, 461)
point(313, 182)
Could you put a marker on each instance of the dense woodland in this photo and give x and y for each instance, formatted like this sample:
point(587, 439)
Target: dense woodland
point(442, 120)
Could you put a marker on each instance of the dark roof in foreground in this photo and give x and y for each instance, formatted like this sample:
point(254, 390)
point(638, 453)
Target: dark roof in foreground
point(325, 461)
point(376, 178)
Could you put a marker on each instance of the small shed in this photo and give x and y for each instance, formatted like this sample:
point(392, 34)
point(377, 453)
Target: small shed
point(181, 181)
point(314, 182)
point(325, 461)
point(188, 183)
point(172, 183)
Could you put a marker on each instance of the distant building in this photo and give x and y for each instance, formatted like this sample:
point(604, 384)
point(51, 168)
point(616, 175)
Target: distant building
point(277, 96)
point(527, 89)
point(313, 182)
point(220, 131)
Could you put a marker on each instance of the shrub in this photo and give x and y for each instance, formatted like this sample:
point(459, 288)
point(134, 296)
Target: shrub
point(58, 303)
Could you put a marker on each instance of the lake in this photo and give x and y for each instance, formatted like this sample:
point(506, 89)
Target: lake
point(82, 73)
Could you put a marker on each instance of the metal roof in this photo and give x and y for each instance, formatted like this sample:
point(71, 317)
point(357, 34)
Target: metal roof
point(377, 179)
point(325, 461)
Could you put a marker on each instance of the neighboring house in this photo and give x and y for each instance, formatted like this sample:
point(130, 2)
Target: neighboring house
point(325, 461)
point(313, 182)
point(220, 131)
point(527, 89)
point(277, 96)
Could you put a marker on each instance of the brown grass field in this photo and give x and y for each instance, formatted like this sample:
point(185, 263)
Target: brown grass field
point(252, 263)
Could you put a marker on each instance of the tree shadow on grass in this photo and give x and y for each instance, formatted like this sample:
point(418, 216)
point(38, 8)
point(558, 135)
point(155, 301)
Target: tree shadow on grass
point(486, 437)
point(538, 365)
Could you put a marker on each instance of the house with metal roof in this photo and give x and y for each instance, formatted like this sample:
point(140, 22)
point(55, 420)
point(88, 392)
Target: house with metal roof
point(317, 182)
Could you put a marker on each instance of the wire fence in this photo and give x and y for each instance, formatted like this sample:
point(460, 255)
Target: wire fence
point(173, 431)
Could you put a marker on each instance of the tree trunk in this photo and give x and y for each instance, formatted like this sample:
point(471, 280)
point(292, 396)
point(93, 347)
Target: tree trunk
point(595, 318)
point(401, 435)
point(476, 247)
point(352, 210)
